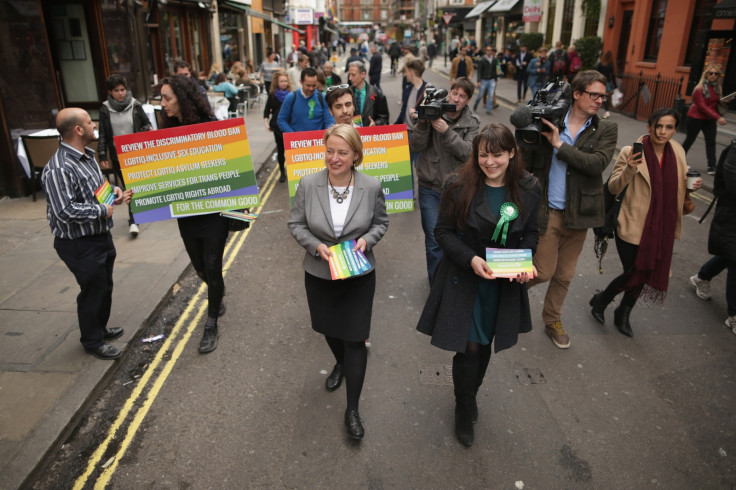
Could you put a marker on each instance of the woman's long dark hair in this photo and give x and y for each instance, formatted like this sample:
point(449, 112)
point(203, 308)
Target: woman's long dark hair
point(193, 106)
point(493, 138)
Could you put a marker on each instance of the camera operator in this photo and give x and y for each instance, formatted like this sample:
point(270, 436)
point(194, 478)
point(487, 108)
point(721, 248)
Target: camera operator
point(443, 145)
point(568, 163)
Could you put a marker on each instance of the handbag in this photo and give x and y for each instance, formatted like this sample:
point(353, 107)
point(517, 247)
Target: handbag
point(613, 208)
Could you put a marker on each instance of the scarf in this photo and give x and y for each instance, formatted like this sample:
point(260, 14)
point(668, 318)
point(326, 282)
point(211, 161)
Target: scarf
point(706, 89)
point(120, 106)
point(653, 258)
point(281, 94)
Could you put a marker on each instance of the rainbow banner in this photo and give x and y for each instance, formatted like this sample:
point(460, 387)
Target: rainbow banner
point(385, 157)
point(345, 262)
point(508, 262)
point(189, 170)
point(104, 194)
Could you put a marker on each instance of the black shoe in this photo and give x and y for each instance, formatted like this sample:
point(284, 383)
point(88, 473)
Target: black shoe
point(209, 340)
point(711, 170)
point(334, 380)
point(222, 309)
point(464, 426)
point(106, 352)
point(597, 310)
point(621, 320)
point(282, 177)
point(352, 422)
point(112, 333)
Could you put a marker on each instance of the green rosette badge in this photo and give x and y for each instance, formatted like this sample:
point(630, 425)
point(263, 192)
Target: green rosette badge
point(509, 212)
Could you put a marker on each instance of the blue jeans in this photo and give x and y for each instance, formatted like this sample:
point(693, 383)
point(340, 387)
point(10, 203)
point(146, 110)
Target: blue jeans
point(715, 266)
point(488, 86)
point(429, 207)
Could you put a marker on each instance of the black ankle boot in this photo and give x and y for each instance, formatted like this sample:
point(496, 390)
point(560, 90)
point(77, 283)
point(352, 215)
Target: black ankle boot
point(464, 376)
point(621, 320)
point(598, 307)
point(209, 340)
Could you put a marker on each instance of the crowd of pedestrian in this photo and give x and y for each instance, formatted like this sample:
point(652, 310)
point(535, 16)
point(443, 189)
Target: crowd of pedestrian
point(477, 189)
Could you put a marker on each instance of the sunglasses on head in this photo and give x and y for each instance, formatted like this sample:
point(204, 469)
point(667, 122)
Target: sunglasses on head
point(335, 87)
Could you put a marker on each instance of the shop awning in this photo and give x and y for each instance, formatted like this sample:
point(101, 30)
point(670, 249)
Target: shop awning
point(725, 10)
point(479, 9)
point(502, 6)
point(260, 15)
point(204, 4)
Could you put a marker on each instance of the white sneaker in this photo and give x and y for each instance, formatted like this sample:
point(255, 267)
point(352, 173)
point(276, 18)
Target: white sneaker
point(367, 342)
point(134, 230)
point(702, 287)
point(731, 323)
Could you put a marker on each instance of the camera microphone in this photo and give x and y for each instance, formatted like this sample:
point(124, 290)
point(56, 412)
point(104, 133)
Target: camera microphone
point(521, 117)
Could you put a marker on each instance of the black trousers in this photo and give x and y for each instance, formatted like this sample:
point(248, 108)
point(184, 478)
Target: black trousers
point(708, 126)
point(206, 256)
point(91, 260)
point(627, 253)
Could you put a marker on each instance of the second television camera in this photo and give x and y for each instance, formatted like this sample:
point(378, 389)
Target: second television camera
point(551, 103)
point(433, 105)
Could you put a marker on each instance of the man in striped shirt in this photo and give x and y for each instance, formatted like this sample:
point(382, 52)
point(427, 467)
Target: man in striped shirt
point(81, 226)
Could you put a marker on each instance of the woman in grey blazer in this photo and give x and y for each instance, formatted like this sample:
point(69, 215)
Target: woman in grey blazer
point(330, 207)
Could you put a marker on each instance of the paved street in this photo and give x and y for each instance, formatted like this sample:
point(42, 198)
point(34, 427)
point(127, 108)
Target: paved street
point(611, 412)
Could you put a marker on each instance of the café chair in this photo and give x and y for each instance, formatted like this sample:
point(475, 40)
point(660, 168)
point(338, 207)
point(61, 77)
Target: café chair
point(39, 151)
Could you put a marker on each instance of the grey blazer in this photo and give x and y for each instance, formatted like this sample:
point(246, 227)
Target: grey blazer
point(310, 222)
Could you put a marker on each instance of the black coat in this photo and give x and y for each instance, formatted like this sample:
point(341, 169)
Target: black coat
point(722, 236)
point(375, 106)
point(447, 315)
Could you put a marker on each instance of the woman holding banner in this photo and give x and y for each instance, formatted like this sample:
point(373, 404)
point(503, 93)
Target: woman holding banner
point(280, 88)
point(492, 202)
point(333, 206)
point(204, 235)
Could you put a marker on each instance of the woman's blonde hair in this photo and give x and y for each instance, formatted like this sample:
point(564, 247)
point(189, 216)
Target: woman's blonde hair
point(275, 81)
point(351, 137)
point(704, 77)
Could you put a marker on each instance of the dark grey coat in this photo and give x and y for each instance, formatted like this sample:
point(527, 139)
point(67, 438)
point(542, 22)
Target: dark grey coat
point(447, 315)
point(722, 236)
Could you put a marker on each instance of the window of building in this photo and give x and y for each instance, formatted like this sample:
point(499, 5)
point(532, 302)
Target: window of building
point(654, 34)
point(568, 12)
point(550, 22)
point(384, 14)
point(702, 8)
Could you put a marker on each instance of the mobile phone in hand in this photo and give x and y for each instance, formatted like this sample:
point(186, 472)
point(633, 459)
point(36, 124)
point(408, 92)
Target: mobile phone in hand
point(638, 148)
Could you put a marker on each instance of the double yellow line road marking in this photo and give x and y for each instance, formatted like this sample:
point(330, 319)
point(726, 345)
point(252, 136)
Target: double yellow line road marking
point(153, 379)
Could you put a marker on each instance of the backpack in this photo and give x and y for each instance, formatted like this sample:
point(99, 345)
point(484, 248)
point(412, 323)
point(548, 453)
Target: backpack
point(559, 67)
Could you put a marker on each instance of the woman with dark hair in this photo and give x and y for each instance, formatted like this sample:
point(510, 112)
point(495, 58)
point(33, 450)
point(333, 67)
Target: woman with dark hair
point(703, 113)
point(120, 114)
point(204, 235)
point(330, 207)
point(280, 88)
point(650, 218)
point(607, 67)
point(463, 312)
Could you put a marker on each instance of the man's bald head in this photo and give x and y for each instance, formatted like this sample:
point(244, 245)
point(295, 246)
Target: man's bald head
point(68, 119)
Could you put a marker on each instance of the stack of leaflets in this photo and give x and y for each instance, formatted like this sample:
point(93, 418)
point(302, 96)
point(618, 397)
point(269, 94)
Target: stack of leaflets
point(105, 195)
point(345, 262)
point(509, 262)
point(240, 216)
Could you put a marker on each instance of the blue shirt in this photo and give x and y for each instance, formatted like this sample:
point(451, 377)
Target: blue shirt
point(298, 113)
point(557, 189)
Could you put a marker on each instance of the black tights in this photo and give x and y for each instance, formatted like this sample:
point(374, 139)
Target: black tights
point(206, 256)
point(627, 253)
point(477, 356)
point(354, 357)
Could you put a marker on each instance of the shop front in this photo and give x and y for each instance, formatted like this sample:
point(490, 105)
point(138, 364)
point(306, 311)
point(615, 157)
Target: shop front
point(57, 54)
